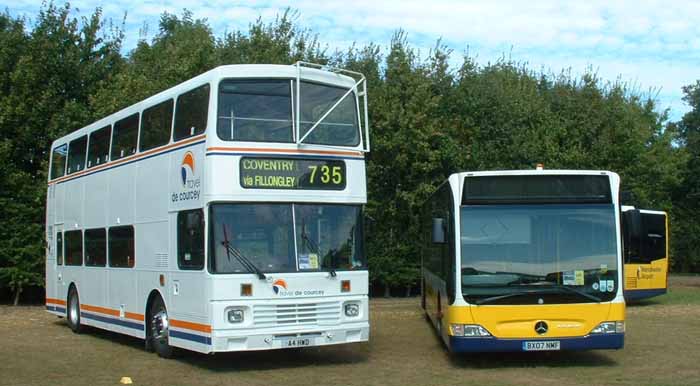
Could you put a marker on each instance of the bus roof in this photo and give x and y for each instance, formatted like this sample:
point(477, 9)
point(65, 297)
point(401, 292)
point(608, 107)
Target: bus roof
point(259, 71)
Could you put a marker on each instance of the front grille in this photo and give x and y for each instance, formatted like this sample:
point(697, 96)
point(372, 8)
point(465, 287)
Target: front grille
point(292, 314)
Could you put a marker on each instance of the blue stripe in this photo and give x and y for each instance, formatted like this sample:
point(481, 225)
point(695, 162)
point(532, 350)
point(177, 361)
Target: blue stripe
point(282, 155)
point(192, 337)
point(132, 161)
point(491, 344)
point(123, 323)
point(56, 309)
point(643, 294)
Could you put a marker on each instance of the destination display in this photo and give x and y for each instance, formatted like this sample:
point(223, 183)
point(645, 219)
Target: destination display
point(282, 173)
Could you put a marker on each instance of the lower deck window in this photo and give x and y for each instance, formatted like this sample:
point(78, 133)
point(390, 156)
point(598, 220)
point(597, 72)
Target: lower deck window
point(121, 247)
point(74, 248)
point(95, 247)
point(190, 239)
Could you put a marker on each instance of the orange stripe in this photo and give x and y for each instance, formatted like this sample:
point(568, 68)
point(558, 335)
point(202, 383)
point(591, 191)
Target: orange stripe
point(131, 315)
point(100, 310)
point(55, 301)
point(111, 312)
point(299, 151)
point(190, 325)
point(127, 159)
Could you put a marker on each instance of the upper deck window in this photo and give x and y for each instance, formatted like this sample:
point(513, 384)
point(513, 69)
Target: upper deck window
point(58, 161)
point(76, 154)
point(191, 113)
point(255, 110)
point(156, 122)
point(340, 127)
point(98, 150)
point(124, 137)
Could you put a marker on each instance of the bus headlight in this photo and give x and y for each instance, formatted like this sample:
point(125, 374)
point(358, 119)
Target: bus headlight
point(235, 315)
point(469, 330)
point(609, 328)
point(352, 310)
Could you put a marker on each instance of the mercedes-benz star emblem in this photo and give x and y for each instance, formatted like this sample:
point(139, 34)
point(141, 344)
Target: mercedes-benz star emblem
point(541, 327)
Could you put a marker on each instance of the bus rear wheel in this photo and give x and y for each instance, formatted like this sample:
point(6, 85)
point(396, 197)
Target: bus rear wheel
point(158, 329)
point(73, 310)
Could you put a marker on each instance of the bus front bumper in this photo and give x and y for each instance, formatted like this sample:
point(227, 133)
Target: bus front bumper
point(223, 341)
point(491, 344)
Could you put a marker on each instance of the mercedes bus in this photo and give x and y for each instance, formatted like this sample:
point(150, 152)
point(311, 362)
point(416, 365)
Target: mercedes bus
point(524, 261)
point(645, 234)
point(222, 214)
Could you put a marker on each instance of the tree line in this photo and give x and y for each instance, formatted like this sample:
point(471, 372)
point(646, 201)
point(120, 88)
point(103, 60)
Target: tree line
point(428, 119)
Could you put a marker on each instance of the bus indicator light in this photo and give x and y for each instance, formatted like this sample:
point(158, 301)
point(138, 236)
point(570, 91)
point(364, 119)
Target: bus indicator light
point(246, 289)
point(345, 286)
point(161, 279)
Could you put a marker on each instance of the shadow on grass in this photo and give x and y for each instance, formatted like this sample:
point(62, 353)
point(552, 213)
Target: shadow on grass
point(279, 359)
point(534, 359)
point(246, 360)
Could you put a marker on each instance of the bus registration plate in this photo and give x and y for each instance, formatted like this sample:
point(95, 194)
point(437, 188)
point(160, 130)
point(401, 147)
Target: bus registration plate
point(296, 342)
point(548, 345)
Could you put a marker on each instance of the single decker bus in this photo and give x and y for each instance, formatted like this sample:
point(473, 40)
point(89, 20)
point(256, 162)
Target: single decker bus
point(222, 214)
point(646, 253)
point(524, 261)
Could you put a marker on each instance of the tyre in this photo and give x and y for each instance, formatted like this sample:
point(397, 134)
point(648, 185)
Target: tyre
point(158, 329)
point(73, 310)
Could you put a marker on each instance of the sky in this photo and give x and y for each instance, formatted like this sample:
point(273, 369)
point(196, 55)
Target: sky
point(654, 46)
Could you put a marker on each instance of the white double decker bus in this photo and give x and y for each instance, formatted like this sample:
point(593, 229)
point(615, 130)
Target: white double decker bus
point(222, 214)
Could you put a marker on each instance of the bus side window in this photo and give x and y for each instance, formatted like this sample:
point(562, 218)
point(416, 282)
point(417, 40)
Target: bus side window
point(74, 247)
point(653, 240)
point(59, 248)
point(156, 122)
point(98, 149)
point(76, 154)
point(121, 247)
point(190, 239)
point(124, 137)
point(58, 161)
point(95, 247)
point(191, 113)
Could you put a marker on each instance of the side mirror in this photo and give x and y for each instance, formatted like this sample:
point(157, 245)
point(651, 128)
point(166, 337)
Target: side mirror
point(438, 234)
point(627, 197)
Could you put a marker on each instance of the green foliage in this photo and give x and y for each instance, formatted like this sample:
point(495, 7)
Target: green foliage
point(427, 120)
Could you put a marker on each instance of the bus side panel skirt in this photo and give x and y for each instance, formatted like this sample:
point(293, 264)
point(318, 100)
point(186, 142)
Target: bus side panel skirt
point(589, 342)
point(643, 294)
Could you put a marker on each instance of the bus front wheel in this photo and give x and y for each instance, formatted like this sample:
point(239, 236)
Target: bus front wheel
point(73, 310)
point(159, 324)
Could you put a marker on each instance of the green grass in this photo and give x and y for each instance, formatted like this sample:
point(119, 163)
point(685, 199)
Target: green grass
point(660, 349)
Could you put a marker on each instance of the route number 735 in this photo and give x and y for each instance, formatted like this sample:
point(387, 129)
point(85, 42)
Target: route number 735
point(326, 174)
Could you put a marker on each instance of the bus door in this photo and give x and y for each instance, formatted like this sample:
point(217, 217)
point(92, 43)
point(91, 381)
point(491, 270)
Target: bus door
point(55, 267)
point(646, 262)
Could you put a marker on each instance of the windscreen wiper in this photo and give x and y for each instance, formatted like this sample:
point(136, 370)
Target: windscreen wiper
point(554, 285)
point(305, 237)
point(245, 262)
point(538, 292)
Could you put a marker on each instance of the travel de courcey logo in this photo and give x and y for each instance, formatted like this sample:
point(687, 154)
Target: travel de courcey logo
point(187, 167)
point(190, 182)
point(279, 285)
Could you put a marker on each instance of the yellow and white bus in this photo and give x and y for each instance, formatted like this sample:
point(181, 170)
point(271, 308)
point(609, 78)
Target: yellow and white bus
point(645, 234)
point(524, 261)
point(222, 214)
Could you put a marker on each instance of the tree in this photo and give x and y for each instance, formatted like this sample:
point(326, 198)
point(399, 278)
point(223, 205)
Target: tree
point(48, 78)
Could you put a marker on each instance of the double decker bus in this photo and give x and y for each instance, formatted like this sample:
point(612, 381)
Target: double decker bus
point(223, 214)
point(646, 257)
point(524, 261)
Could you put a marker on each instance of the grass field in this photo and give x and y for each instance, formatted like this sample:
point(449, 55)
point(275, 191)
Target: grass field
point(662, 348)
